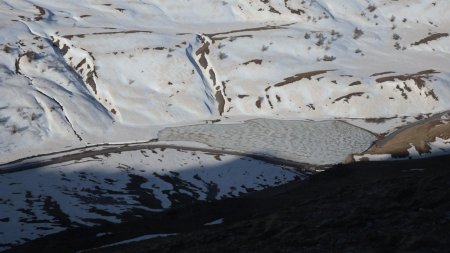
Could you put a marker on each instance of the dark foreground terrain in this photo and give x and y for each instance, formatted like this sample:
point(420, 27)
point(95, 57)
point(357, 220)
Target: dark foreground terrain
point(401, 206)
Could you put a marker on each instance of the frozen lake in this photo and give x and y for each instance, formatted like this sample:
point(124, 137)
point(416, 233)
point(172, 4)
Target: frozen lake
point(313, 142)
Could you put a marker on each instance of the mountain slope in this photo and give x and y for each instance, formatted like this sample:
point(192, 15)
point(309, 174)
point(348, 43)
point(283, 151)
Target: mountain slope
point(399, 206)
point(83, 72)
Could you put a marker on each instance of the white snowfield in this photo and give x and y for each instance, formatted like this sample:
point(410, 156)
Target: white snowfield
point(137, 239)
point(83, 72)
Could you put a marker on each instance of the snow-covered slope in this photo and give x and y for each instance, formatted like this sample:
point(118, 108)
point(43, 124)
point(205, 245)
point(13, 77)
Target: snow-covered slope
point(81, 72)
point(118, 186)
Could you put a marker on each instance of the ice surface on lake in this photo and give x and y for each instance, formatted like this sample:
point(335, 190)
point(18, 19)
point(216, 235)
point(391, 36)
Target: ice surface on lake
point(318, 142)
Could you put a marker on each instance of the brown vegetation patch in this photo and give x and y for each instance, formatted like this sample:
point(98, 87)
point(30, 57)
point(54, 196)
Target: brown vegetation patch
point(64, 49)
point(82, 35)
point(355, 83)
point(256, 29)
point(419, 136)
point(357, 33)
point(432, 94)
point(417, 77)
point(300, 76)
point(382, 73)
point(270, 102)
point(273, 10)
point(430, 38)
point(80, 64)
point(221, 102)
point(202, 51)
point(212, 76)
point(371, 8)
point(258, 102)
point(90, 80)
point(122, 32)
point(256, 61)
point(402, 91)
point(376, 120)
point(30, 55)
point(348, 96)
point(278, 98)
point(328, 58)
point(292, 10)
point(53, 209)
point(41, 13)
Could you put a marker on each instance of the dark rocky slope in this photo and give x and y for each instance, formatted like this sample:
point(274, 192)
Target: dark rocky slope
point(401, 206)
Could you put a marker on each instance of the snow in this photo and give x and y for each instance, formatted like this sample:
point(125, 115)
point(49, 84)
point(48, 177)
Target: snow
point(374, 157)
point(49, 199)
point(84, 72)
point(137, 239)
point(438, 147)
point(383, 126)
point(84, 75)
point(215, 222)
point(103, 234)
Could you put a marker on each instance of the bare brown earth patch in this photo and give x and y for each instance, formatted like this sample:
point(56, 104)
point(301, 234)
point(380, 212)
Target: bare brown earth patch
point(212, 76)
point(383, 73)
point(41, 13)
point(418, 77)
point(80, 64)
point(90, 80)
point(419, 136)
point(273, 10)
point(82, 35)
point(355, 83)
point(348, 96)
point(301, 76)
point(255, 29)
point(202, 51)
point(292, 10)
point(429, 38)
point(221, 101)
point(377, 120)
point(258, 102)
point(256, 61)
